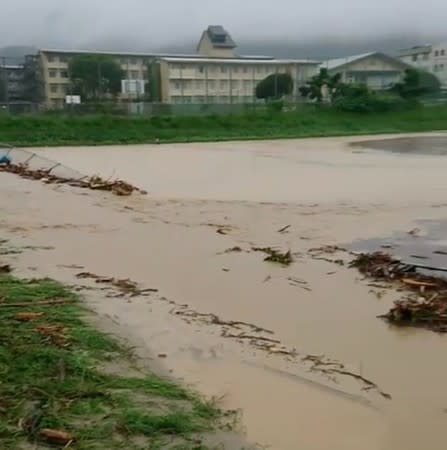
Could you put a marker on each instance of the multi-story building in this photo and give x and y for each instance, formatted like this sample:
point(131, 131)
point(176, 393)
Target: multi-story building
point(431, 58)
point(216, 74)
point(12, 78)
point(376, 70)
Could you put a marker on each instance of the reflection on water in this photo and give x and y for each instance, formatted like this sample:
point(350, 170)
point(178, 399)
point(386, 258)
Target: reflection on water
point(427, 145)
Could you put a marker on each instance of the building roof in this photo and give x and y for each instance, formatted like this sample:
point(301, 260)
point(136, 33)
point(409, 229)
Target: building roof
point(240, 60)
point(11, 66)
point(220, 37)
point(337, 63)
point(416, 50)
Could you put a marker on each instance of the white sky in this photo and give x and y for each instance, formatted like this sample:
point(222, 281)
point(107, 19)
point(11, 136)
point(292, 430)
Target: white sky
point(160, 22)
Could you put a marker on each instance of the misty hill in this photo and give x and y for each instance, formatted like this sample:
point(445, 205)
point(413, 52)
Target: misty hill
point(15, 54)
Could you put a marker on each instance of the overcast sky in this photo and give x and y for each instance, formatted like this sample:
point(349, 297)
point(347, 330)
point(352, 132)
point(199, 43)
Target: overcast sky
point(78, 23)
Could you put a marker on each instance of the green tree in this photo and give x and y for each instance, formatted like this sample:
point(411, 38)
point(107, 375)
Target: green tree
point(274, 86)
point(2, 89)
point(315, 86)
point(416, 83)
point(95, 76)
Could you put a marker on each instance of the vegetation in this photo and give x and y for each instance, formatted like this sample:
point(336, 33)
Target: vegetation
point(63, 384)
point(315, 87)
point(417, 83)
point(275, 86)
point(95, 76)
point(306, 121)
point(2, 88)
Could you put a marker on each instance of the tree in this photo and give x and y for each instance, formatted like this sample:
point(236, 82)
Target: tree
point(416, 83)
point(274, 86)
point(95, 76)
point(315, 87)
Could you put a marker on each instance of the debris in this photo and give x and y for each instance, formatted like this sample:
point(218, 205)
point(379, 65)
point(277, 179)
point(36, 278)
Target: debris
point(162, 355)
point(55, 437)
point(54, 334)
point(275, 256)
point(125, 286)
point(222, 231)
point(440, 252)
point(5, 268)
point(284, 229)
point(418, 257)
point(117, 187)
point(28, 316)
point(236, 249)
point(426, 306)
point(415, 232)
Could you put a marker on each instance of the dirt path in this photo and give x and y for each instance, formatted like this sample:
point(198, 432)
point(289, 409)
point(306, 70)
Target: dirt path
point(178, 246)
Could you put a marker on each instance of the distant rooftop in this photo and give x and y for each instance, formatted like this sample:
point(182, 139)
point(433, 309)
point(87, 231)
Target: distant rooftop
point(220, 37)
point(416, 50)
point(239, 59)
point(332, 64)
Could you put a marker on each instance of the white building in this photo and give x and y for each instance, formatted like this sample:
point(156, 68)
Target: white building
point(376, 70)
point(431, 58)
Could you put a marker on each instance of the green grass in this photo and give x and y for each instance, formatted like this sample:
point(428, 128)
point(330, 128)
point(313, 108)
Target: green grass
point(308, 121)
point(65, 385)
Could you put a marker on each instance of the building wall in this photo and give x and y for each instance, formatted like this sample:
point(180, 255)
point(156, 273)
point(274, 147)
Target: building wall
point(439, 62)
point(206, 48)
point(222, 82)
point(56, 81)
point(375, 72)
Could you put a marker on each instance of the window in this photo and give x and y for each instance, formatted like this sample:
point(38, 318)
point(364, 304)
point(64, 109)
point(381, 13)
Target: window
point(64, 74)
point(223, 69)
point(53, 73)
point(134, 75)
point(234, 84)
point(52, 58)
point(199, 84)
point(435, 68)
point(245, 69)
point(259, 69)
point(201, 69)
point(436, 52)
point(442, 52)
point(236, 69)
point(247, 84)
point(187, 99)
point(63, 59)
point(54, 88)
point(425, 57)
point(211, 84)
point(224, 84)
point(63, 88)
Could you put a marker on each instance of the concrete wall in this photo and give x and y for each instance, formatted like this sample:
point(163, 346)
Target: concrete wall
point(206, 48)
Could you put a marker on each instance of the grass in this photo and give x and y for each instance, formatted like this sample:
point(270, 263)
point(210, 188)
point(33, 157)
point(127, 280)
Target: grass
point(57, 379)
point(308, 121)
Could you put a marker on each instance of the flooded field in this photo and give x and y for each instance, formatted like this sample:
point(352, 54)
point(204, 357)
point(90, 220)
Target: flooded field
point(219, 302)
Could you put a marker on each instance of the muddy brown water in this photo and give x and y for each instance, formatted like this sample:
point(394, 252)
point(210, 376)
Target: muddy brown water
point(329, 193)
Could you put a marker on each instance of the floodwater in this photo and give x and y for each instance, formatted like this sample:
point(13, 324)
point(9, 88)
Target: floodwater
point(329, 193)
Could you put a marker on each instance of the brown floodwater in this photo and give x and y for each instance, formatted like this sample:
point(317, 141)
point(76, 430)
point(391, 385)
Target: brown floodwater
point(329, 193)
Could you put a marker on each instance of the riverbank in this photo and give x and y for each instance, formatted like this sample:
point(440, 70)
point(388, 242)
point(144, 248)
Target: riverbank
point(67, 385)
point(308, 121)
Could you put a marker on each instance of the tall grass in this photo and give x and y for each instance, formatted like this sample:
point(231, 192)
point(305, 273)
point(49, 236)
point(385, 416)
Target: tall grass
point(36, 130)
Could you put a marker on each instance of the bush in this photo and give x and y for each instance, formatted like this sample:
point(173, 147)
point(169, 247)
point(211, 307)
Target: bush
point(275, 106)
point(359, 99)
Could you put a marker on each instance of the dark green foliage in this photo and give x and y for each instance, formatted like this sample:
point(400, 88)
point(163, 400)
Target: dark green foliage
point(95, 76)
point(2, 88)
point(275, 86)
point(358, 98)
point(313, 90)
point(416, 83)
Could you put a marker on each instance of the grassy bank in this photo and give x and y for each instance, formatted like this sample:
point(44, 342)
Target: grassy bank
point(307, 122)
point(65, 385)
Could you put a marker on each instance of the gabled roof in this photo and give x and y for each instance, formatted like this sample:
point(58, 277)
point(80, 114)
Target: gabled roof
point(220, 37)
point(337, 63)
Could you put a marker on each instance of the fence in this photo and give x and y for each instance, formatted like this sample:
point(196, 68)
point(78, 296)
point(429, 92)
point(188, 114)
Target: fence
point(34, 161)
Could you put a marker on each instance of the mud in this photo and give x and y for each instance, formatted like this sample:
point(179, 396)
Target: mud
point(325, 193)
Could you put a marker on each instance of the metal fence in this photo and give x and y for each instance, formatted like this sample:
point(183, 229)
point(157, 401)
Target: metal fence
point(34, 161)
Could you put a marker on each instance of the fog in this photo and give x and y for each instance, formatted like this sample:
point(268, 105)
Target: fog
point(150, 24)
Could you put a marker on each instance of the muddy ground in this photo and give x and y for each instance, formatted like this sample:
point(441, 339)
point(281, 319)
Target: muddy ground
point(294, 347)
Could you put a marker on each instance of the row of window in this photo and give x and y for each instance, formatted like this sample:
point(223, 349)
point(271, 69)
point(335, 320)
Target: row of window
point(197, 99)
point(233, 68)
point(211, 84)
point(425, 56)
point(438, 68)
point(62, 73)
point(123, 61)
point(58, 88)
